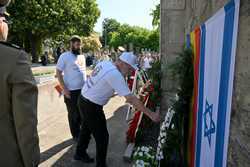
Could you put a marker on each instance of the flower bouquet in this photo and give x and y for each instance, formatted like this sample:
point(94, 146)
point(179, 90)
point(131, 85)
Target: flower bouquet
point(144, 157)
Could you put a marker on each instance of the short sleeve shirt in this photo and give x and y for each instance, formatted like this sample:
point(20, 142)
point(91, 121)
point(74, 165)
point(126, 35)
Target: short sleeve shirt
point(147, 62)
point(74, 70)
point(103, 82)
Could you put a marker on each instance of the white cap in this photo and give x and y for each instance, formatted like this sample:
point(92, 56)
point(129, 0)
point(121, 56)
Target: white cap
point(129, 58)
point(121, 49)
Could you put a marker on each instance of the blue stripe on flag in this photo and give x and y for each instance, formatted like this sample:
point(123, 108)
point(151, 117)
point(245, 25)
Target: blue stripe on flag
point(224, 82)
point(200, 96)
point(188, 44)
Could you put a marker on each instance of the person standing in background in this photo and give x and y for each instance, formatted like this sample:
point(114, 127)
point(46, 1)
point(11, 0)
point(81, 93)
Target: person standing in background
point(71, 74)
point(147, 62)
point(58, 53)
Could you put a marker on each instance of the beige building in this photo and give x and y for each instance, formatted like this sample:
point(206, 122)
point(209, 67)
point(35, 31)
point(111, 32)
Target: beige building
point(179, 17)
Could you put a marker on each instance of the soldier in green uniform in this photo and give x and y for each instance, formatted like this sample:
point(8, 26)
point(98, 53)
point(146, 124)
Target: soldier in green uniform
point(19, 145)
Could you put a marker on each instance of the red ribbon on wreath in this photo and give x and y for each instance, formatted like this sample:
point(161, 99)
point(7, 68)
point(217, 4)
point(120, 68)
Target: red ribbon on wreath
point(135, 123)
point(130, 80)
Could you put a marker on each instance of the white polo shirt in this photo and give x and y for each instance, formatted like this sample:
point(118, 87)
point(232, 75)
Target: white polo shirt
point(103, 82)
point(147, 63)
point(74, 70)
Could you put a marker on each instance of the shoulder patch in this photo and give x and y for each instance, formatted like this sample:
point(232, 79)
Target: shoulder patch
point(10, 45)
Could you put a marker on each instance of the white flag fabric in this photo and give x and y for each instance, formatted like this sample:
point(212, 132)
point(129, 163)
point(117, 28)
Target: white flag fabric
point(216, 72)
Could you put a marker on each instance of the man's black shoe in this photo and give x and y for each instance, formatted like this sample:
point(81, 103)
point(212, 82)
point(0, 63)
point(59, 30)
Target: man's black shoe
point(85, 158)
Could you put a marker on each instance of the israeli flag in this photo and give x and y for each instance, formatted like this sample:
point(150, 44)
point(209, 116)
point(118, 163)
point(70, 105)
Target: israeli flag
point(216, 74)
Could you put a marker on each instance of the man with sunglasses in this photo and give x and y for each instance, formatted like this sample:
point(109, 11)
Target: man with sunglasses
point(18, 103)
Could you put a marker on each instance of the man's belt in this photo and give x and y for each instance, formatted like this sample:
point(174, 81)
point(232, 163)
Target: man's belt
point(90, 102)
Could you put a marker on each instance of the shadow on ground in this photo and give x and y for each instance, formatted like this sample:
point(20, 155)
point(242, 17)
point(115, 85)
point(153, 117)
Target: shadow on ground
point(54, 150)
point(117, 127)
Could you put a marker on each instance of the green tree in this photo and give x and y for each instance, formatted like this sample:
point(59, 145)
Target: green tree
point(36, 20)
point(117, 34)
point(153, 40)
point(155, 35)
point(109, 26)
point(156, 16)
point(140, 37)
point(116, 40)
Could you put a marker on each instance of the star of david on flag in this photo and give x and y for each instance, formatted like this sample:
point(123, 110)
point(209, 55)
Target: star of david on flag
point(209, 127)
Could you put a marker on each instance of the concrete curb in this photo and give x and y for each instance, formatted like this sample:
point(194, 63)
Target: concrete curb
point(41, 80)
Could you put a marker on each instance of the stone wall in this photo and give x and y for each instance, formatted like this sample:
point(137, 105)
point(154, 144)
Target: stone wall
point(178, 17)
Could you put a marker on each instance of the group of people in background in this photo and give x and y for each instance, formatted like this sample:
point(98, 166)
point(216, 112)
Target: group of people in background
point(147, 59)
point(144, 59)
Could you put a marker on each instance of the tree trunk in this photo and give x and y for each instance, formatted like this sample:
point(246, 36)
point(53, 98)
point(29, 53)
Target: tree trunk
point(27, 46)
point(35, 45)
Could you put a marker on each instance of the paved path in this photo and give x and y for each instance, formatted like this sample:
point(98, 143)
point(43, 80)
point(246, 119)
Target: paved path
point(57, 148)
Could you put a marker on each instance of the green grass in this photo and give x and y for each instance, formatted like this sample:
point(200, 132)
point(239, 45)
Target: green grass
point(44, 73)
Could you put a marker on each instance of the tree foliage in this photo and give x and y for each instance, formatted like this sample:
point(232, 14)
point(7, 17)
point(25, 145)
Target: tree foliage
point(156, 16)
point(91, 43)
point(123, 34)
point(36, 20)
point(109, 26)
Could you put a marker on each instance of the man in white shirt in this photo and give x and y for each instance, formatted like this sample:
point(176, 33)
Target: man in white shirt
point(106, 78)
point(71, 73)
point(147, 62)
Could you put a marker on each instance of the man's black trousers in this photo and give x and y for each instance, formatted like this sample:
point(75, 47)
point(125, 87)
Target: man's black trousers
point(93, 123)
point(73, 113)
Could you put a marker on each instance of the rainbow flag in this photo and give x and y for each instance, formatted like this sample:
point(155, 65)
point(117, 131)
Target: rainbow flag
point(214, 47)
point(195, 45)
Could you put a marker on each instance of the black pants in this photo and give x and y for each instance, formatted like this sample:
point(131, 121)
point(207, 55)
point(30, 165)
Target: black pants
point(73, 113)
point(94, 122)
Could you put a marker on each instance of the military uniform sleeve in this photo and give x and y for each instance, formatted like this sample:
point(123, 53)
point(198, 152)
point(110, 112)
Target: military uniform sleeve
point(24, 107)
